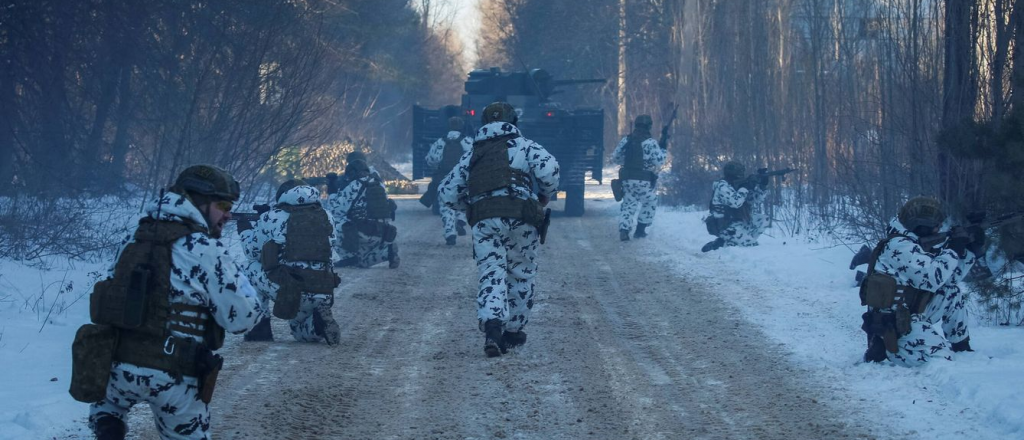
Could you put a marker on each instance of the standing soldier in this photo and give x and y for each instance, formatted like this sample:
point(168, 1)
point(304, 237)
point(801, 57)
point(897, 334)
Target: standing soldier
point(641, 157)
point(916, 310)
point(290, 261)
point(444, 155)
point(364, 213)
point(736, 208)
point(161, 312)
point(494, 185)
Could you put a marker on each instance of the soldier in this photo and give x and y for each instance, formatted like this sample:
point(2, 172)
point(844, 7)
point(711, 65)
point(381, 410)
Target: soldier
point(364, 213)
point(641, 157)
point(916, 310)
point(736, 208)
point(444, 155)
point(494, 185)
point(336, 183)
point(172, 293)
point(294, 241)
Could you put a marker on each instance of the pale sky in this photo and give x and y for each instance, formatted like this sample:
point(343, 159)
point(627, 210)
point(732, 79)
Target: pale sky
point(467, 23)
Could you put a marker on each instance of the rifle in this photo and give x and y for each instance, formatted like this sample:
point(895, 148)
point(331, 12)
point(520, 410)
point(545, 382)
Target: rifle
point(763, 173)
point(247, 219)
point(663, 142)
point(544, 225)
point(973, 219)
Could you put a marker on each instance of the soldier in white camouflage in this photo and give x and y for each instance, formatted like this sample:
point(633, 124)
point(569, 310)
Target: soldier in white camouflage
point(916, 309)
point(363, 214)
point(494, 185)
point(301, 235)
point(641, 158)
point(444, 154)
point(737, 214)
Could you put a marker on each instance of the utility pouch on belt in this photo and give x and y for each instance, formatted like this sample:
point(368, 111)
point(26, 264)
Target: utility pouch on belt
point(208, 365)
point(878, 290)
point(617, 190)
point(289, 292)
point(530, 211)
point(389, 233)
point(350, 237)
point(714, 225)
point(269, 256)
point(91, 355)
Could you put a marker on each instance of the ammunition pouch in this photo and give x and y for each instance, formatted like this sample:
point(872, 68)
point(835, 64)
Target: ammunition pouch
point(529, 211)
point(892, 307)
point(292, 282)
point(617, 190)
point(174, 355)
point(715, 225)
point(638, 174)
point(92, 352)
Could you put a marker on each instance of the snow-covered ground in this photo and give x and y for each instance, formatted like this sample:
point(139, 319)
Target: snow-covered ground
point(797, 291)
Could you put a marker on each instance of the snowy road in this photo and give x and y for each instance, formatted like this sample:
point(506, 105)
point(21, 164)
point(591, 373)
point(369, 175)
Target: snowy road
point(617, 349)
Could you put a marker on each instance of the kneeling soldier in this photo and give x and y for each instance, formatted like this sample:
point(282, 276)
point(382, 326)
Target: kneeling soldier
point(916, 310)
point(364, 213)
point(736, 208)
point(163, 310)
point(290, 251)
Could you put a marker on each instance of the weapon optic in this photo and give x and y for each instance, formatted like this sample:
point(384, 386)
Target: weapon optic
point(246, 219)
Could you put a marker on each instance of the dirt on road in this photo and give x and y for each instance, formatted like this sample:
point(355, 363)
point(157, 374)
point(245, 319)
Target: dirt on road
point(619, 348)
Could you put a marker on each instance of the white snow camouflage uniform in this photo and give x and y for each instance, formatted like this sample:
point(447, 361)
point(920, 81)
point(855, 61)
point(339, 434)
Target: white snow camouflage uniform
point(639, 195)
point(944, 321)
point(449, 216)
point(739, 232)
point(273, 225)
point(202, 274)
point(372, 250)
point(505, 249)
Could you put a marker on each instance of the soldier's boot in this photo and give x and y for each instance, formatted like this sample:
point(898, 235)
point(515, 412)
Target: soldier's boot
point(624, 234)
point(460, 228)
point(393, 258)
point(713, 244)
point(109, 428)
point(964, 345)
point(260, 333)
point(876, 350)
point(449, 240)
point(513, 339)
point(641, 230)
point(324, 324)
point(492, 338)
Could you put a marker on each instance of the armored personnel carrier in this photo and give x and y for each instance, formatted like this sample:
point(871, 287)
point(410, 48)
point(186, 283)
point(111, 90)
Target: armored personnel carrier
point(574, 136)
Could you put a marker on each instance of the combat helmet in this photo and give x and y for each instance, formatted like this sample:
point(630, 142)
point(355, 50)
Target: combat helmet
point(455, 123)
point(357, 169)
point(209, 182)
point(733, 171)
point(643, 122)
point(289, 185)
point(921, 215)
point(355, 155)
point(500, 112)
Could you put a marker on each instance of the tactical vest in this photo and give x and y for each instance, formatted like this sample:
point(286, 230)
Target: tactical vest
point(729, 214)
point(307, 237)
point(891, 303)
point(489, 170)
point(633, 168)
point(377, 206)
point(136, 303)
point(450, 158)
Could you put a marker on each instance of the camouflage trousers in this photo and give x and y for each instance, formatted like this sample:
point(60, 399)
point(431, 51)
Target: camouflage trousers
point(638, 196)
point(745, 233)
point(505, 251)
point(932, 333)
point(176, 406)
point(450, 218)
point(373, 250)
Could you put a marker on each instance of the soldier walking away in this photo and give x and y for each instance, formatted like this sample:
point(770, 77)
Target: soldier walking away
point(162, 311)
point(916, 310)
point(736, 208)
point(363, 214)
point(641, 158)
point(494, 185)
point(444, 155)
point(291, 254)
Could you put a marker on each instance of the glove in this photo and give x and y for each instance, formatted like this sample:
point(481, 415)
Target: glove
point(958, 243)
point(543, 199)
point(977, 235)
